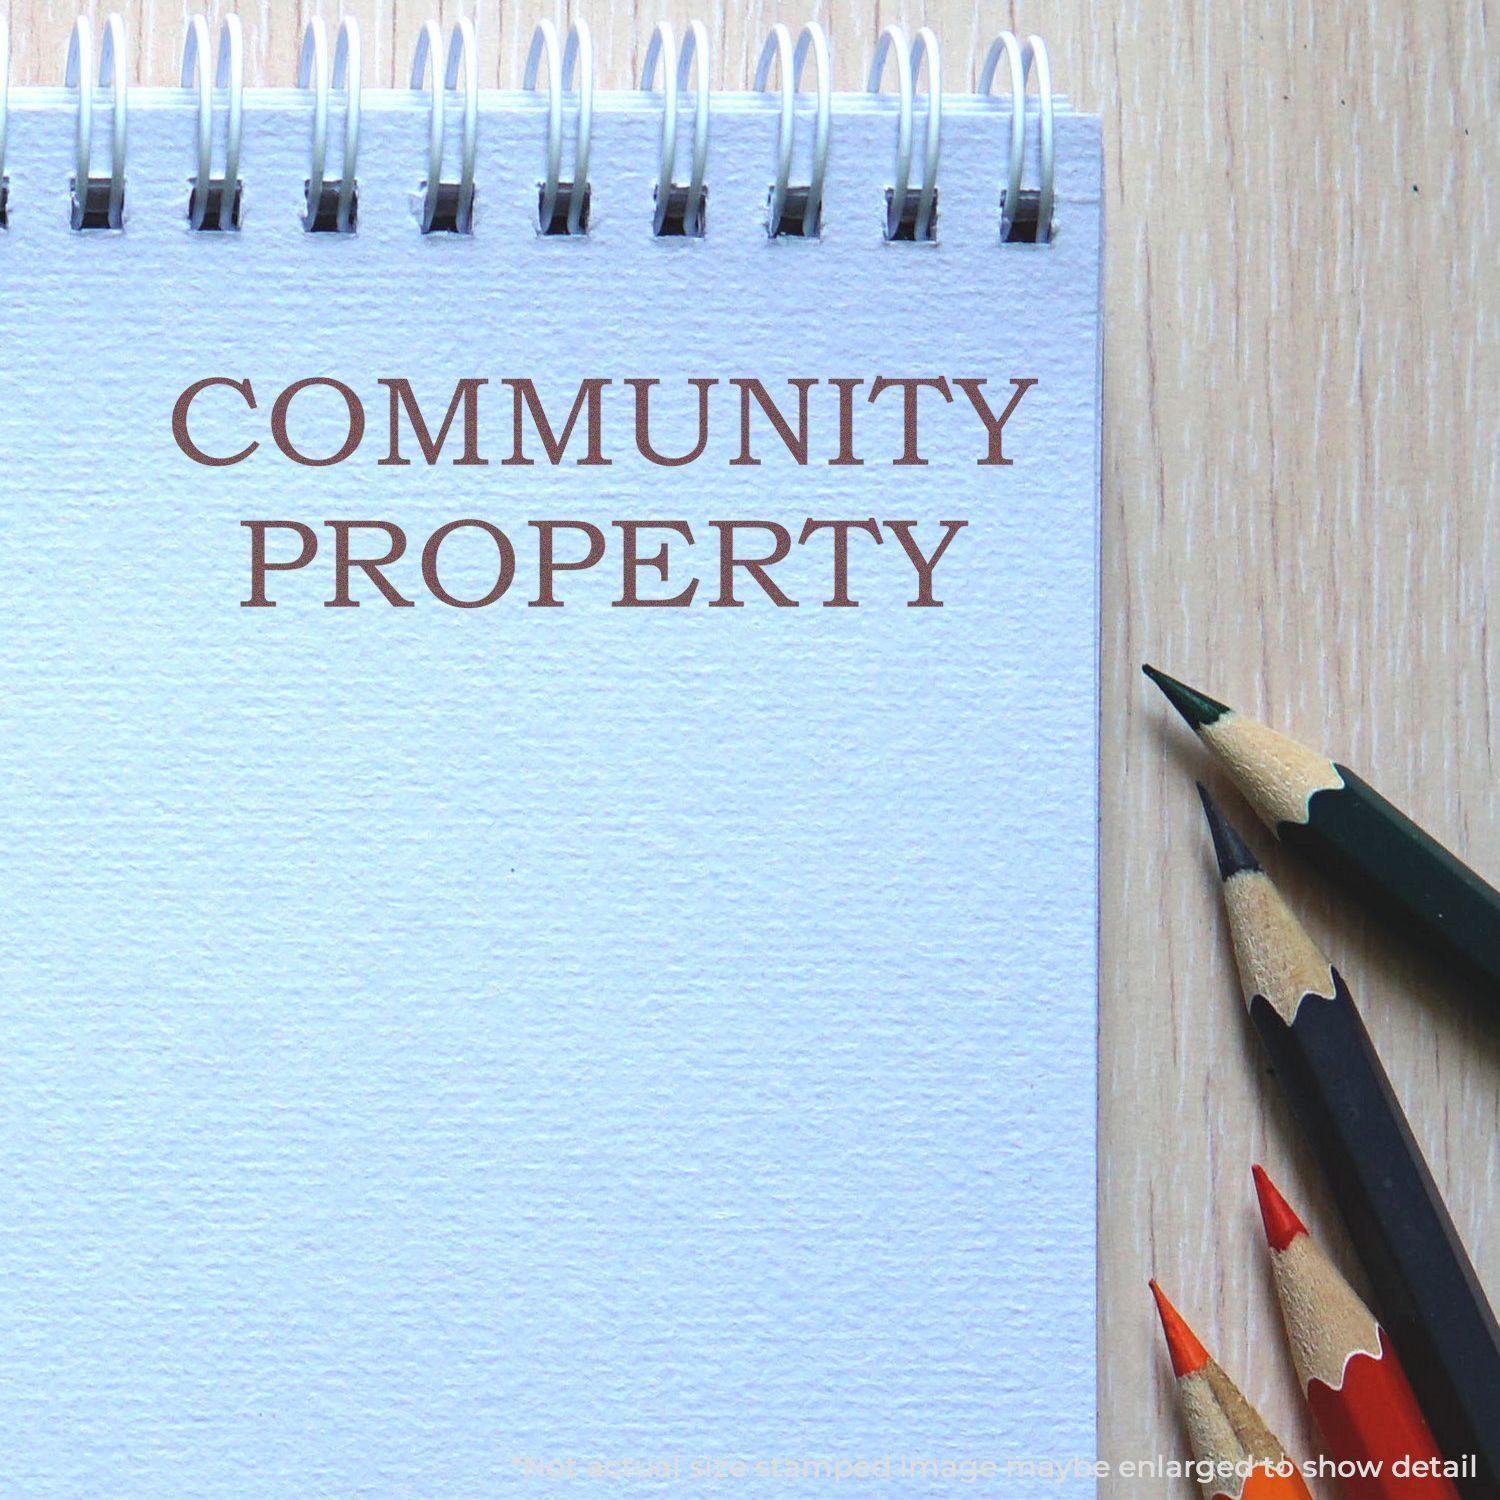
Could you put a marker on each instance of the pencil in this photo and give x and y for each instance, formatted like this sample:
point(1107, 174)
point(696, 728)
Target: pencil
point(1348, 1371)
point(1351, 833)
point(1331, 1075)
point(1239, 1457)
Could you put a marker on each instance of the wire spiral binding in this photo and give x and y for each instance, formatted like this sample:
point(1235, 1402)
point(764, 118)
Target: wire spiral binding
point(312, 71)
point(4, 110)
point(674, 75)
point(564, 67)
point(579, 49)
point(98, 204)
point(1019, 60)
point(789, 60)
point(229, 74)
point(448, 206)
point(909, 60)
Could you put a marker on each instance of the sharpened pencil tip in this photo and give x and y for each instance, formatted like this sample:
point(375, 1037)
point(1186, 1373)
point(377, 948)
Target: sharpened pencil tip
point(1282, 1224)
point(1187, 1354)
point(1231, 851)
point(1197, 708)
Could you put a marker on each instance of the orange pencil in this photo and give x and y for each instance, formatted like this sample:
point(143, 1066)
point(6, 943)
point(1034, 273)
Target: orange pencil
point(1226, 1432)
point(1353, 1381)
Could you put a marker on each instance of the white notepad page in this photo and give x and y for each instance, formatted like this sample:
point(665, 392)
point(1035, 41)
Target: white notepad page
point(441, 1041)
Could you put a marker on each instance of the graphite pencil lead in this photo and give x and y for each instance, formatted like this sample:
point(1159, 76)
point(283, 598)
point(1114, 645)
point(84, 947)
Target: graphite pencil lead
point(1231, 851)
point(1197, 708)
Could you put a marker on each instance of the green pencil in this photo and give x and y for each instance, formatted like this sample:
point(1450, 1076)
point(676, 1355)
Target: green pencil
point(1351, 833)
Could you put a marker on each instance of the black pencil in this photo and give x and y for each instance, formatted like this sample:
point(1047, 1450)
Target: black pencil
point(1426, 1291)
point(1345, 827)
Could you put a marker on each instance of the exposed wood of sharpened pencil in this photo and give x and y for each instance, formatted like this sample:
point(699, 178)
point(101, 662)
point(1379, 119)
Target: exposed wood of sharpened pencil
point(1353, 1380)
point(1225, 1431)
point(1349, 831)
point(1424, 1283)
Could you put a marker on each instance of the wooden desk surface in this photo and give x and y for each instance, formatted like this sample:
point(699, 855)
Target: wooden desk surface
point(1300, 462)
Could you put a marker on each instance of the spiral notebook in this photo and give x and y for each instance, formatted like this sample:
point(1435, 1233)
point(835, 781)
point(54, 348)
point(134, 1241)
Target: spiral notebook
point(549, 752)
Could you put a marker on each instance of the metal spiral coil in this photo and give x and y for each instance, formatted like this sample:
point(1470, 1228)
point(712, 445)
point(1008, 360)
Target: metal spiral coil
point(563, 68)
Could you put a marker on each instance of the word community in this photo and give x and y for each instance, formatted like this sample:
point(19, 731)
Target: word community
point(472, 563)
point(734, 420)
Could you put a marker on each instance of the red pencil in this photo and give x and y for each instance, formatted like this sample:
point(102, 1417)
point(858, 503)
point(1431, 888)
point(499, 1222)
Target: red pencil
point(1353, 1381)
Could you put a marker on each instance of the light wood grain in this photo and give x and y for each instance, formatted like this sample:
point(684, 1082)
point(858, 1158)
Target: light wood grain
point(1300, 459)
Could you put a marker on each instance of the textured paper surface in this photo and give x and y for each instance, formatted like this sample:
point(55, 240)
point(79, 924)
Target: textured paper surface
point(438, 1038)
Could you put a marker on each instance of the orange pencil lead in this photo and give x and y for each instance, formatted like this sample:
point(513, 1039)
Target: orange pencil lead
point(1243, 1458)
point(1182, 1343)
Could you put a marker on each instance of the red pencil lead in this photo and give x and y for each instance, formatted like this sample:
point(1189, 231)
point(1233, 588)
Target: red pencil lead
point(1188, 1355)
point(1282, 1224)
